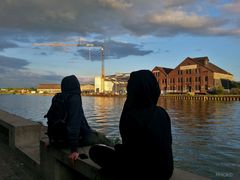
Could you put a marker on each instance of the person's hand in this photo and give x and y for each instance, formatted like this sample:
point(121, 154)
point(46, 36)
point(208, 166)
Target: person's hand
point(72, 157)
point(46, 145)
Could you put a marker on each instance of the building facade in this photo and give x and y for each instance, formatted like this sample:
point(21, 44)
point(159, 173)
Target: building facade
point(114, 84)
point(194, 75)
point(49, 88)
point(56, 88)
point(87, 88)
point(161, 73)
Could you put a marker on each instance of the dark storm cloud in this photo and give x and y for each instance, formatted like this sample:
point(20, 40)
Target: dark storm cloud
point(14, 73)
point(6, 45)
point(57, 15)
point(13, 63)
point(25, 78)
point(113, 50)
point(43, 53)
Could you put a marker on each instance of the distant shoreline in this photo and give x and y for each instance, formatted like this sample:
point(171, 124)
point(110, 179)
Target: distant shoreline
point(52, 94)
point(171, 96)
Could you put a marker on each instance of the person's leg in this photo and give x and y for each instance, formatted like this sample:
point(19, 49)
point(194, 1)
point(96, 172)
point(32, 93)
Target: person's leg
point(96, 138)
point(103, 155)
point(107, 158)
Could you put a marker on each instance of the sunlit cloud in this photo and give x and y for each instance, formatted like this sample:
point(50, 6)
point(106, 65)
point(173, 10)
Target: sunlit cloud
point(113, 17)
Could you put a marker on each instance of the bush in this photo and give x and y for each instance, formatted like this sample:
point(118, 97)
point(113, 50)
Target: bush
point(216, 90)
point(235, 91)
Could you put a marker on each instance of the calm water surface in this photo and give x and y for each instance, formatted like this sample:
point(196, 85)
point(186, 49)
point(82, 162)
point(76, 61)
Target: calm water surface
point(206, 134)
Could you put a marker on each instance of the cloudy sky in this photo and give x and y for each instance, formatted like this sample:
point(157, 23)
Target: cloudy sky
point(136, 34)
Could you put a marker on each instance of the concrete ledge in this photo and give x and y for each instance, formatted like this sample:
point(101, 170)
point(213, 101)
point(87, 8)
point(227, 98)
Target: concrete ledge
point(22, 136)
point(55, 166)
point(17, 131)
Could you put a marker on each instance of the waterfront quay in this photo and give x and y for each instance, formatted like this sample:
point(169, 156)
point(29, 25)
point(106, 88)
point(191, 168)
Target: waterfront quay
point(26, 141)
point(184, 97)
point(204, 97)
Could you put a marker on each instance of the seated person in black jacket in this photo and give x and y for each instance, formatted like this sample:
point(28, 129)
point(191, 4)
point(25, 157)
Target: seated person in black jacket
point(145, 129)
point(78, 130)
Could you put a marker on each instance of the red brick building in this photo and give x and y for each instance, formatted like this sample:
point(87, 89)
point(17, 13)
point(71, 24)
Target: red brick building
point(196, 75)
point(161, 73)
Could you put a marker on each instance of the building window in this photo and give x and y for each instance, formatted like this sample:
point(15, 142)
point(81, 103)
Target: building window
point(206, 78)
point(196, 87)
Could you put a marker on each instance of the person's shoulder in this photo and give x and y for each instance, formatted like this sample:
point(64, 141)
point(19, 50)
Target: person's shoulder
point(70, 95)
point(161, 111)
point(71, 98)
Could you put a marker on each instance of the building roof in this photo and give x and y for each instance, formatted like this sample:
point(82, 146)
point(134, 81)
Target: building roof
point(164, 69)
point(118, 77)
point(167, 70)
point(49, 86)
point(204, 61)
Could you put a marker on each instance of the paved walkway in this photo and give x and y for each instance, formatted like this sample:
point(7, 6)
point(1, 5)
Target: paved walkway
point(11, 167)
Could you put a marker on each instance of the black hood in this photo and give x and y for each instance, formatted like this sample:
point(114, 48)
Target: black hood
point(70, 84)
point(142, 90)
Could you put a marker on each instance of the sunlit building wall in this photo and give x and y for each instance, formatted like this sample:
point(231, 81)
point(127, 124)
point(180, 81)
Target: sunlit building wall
point(98, 84)
point(115, 84)
point(192, 75)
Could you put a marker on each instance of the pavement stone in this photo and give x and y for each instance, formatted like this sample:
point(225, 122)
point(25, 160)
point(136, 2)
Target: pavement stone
point(11, 166)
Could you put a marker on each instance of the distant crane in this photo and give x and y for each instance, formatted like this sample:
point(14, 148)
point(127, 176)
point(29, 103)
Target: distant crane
point(89, 45)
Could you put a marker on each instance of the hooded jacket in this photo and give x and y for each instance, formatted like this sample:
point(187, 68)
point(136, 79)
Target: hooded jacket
point(145, 128)
point(77, 125)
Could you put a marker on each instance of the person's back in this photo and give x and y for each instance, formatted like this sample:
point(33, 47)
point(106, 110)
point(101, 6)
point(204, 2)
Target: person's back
point(146, 129)
point(77, 125)
point(79, 133)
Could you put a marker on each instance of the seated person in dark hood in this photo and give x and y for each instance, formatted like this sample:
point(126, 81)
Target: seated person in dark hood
point(145, 129)
point(78, 130)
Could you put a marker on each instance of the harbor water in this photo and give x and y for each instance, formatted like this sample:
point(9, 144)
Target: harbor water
point(206, 134)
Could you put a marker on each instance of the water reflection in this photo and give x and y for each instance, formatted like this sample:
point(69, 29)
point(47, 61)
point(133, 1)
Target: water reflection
point(206, 134)
point(103, 113)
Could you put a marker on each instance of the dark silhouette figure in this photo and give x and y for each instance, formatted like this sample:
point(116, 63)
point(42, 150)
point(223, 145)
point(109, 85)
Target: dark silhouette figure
point(145, 129)
point(79, 133)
